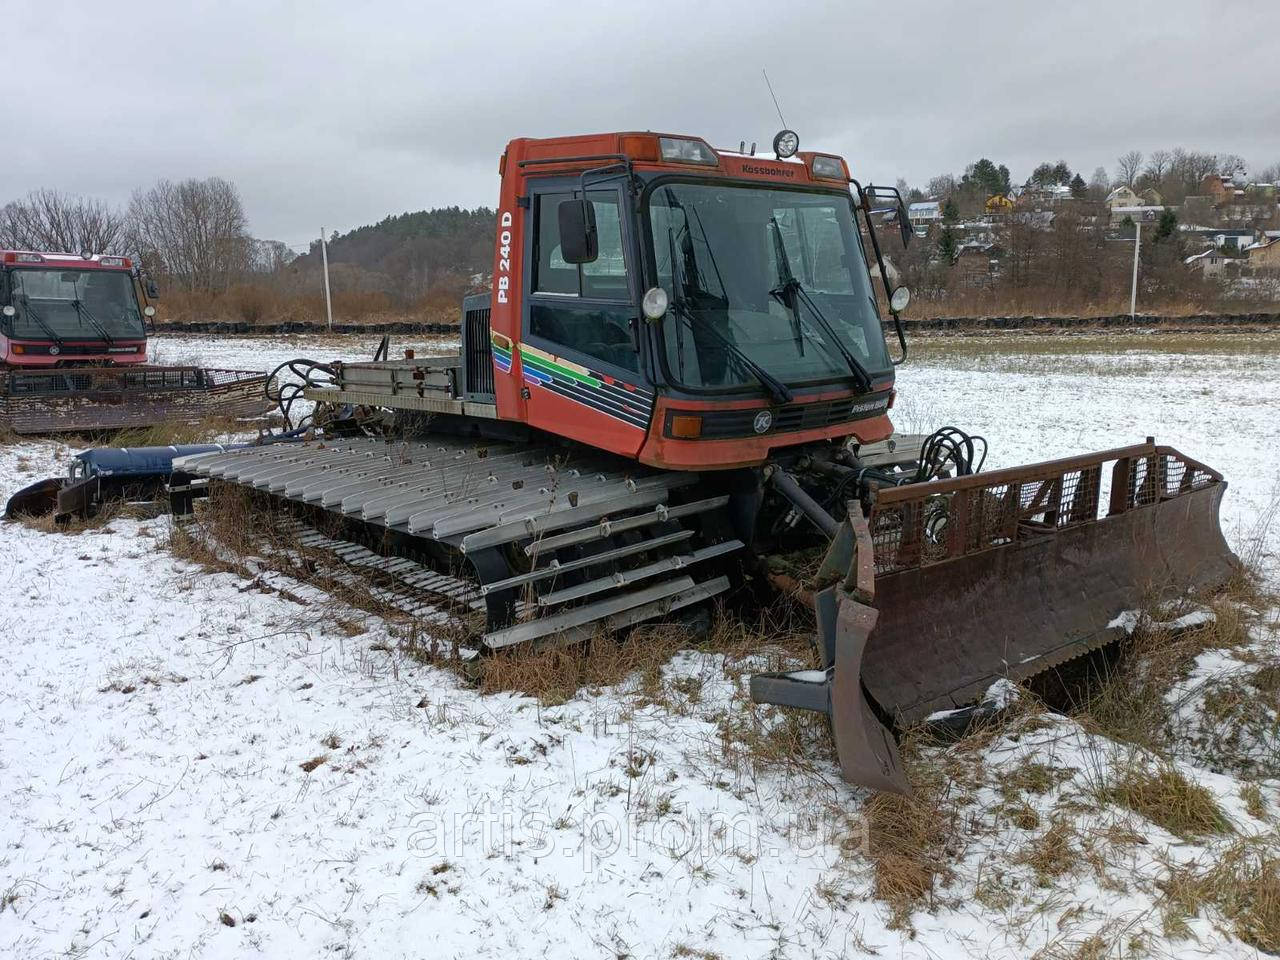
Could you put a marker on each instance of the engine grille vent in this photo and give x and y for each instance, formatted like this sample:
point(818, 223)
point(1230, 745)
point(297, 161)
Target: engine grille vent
point(476, 351)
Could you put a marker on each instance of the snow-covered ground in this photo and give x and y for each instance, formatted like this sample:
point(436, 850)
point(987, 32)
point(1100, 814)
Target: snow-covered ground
point(191, 766)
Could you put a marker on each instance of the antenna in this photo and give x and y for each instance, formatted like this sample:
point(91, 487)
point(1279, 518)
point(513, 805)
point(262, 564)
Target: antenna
point(775, 96)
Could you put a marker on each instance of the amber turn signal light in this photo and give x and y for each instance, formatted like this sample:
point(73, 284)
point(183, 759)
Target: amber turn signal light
point(686, 427)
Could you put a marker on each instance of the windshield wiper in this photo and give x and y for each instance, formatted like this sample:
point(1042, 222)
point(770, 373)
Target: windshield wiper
point(31, 312)
point(681, 305)
point(83, 311)
point(789, 292)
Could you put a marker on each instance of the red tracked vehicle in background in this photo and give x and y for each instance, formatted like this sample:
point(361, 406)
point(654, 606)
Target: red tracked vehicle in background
point(73, 351)
point(680, 386)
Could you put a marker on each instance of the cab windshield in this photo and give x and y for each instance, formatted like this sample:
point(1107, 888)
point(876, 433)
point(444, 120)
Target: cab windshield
point(772, 274)
point(73, 305)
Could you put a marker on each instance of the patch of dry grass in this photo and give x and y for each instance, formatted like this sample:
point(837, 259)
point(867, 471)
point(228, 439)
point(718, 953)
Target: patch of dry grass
point(907, 837)
point(1254, 803)
point(174, 432)
point(1242, 884)
point(1053, 853)
point(235, 531)
point(1130, 702)
point(1165, 796)
point(73, 526)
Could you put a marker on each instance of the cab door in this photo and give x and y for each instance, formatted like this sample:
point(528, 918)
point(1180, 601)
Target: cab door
point(579, 360)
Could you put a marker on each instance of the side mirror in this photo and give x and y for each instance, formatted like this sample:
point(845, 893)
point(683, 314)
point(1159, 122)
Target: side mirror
point(904, 223)
point(578, 241)
point(153, 292)
point(901, 297)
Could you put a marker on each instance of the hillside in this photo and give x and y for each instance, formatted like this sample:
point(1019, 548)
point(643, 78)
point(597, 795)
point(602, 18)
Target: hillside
point(409, 256)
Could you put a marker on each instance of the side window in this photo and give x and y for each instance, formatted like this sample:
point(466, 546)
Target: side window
point(605, 278)
point(584, 307)
point(552, 275)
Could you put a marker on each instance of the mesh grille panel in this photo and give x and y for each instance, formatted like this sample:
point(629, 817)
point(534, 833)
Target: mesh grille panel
point(940, 522)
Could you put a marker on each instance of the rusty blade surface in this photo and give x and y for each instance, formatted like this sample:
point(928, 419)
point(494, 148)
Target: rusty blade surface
point(89, 399)
point(1009, 574)
point(866, 747)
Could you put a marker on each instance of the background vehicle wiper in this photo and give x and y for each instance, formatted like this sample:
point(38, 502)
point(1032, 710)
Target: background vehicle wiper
point(790, 292)
point(31, 312)
point(83, 311)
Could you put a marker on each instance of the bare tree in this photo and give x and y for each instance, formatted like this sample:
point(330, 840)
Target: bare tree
point(269, 256)
point(1187, 170)
point(1128, 165)
point(1157, 166)
point(53, 221)
point(941, 186)
point(1269, 174)
point(1232, 164)
point(194, 231)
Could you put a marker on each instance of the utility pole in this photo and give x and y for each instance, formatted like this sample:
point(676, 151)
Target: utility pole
point(1133, 294)
point(328, 303)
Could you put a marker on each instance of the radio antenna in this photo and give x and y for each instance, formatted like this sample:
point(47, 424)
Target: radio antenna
point(772, 94)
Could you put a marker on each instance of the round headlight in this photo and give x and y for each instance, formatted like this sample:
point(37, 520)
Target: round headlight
point(901, 297)
point(655, 303)
point(785, 144)
point(8, 310)
point(149, 311)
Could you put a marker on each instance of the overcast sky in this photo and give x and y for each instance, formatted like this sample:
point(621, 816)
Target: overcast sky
point(336, 114)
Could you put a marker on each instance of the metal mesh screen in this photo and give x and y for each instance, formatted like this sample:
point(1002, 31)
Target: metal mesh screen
point(932, 522)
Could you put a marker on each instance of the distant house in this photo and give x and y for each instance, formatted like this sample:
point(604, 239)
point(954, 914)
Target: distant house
point(924, 213)
point(1221, 189)
point(1209, 262)
point(978, 262)
point(1227, 238)
point(1198, 210)
point(1150, 197)
point(1265, 255)
point(1138, 214)
point(1040, 219)
point(998, 205)
point(1123, 197)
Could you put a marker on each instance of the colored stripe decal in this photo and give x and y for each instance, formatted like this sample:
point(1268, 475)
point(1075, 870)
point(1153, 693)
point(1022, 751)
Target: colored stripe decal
point(621, 401)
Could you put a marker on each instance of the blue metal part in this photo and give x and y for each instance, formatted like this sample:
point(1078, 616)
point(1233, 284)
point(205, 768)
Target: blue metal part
point(153, 461)
point(139, 461)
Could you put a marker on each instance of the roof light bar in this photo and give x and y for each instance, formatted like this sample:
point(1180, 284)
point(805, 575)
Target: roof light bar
point(114, 261)
point(687, 150)
point(25, 258)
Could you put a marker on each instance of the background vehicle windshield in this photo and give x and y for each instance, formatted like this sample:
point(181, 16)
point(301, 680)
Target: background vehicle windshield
point(717, 250)
point(69, 301)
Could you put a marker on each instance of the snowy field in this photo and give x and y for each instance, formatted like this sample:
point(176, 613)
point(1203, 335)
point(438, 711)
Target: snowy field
point(193, 767)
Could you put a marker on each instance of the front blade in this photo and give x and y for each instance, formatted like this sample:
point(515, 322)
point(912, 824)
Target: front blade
point(1010, 573)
